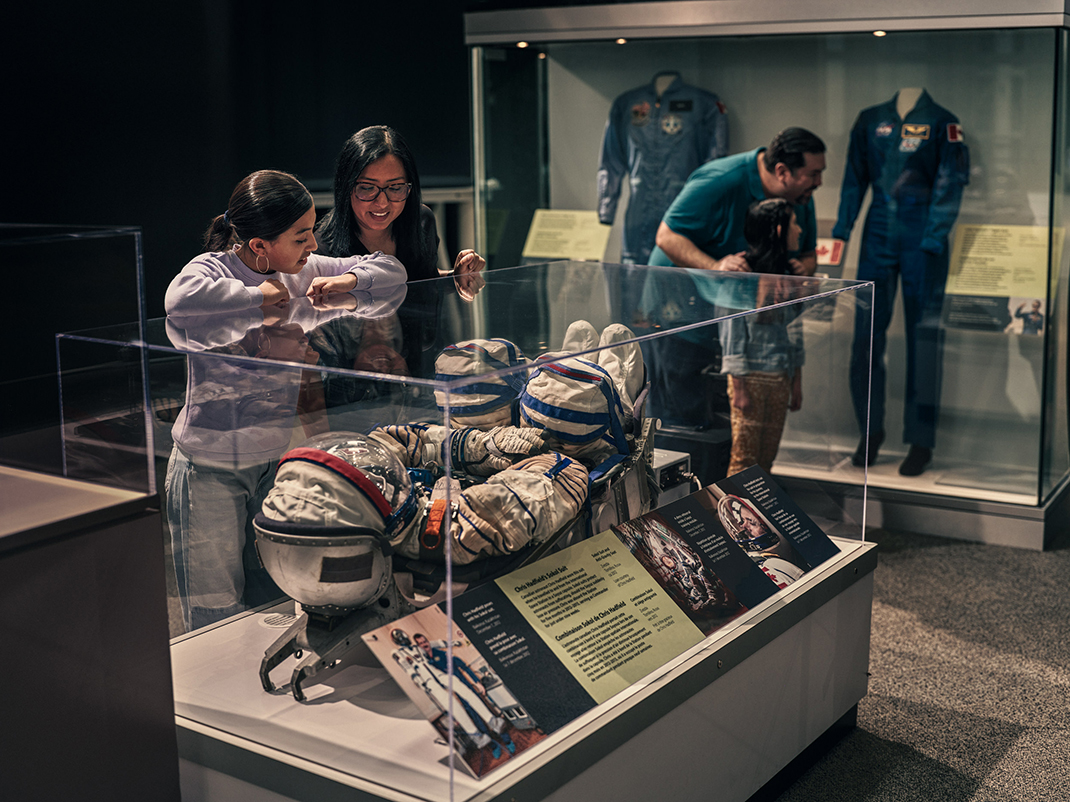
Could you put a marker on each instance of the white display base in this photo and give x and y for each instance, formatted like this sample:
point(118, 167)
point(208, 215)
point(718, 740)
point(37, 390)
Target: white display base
point(726, 715)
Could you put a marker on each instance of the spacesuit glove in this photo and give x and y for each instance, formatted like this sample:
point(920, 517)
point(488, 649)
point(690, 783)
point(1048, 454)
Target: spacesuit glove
point(486, 453)
point(407, 443)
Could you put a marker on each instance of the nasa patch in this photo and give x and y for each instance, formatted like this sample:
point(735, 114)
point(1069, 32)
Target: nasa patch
point(884, 129)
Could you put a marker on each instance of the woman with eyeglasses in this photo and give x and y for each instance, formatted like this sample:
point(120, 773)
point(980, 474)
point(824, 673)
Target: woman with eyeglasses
point(377, 207)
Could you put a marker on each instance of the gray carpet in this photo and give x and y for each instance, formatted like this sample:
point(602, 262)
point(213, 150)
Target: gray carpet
point(969, 693)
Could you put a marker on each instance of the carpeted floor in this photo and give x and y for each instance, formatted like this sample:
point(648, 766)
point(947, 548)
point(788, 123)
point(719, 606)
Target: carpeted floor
point(969, 694)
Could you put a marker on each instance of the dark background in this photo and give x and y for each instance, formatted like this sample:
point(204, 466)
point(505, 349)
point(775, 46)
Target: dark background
point(149, 114)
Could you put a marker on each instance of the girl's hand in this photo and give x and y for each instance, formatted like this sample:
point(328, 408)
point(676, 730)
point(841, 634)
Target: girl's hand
point(322, 286)
point(740, 397)
point(274, 291)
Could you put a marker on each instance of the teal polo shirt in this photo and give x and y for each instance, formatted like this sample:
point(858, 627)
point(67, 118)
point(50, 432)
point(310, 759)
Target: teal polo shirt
point(712, 208)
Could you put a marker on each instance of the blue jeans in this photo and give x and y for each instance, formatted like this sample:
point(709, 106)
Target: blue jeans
point(210, 511)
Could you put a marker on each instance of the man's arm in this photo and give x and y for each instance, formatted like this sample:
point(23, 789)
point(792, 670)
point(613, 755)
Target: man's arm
point(685, 253)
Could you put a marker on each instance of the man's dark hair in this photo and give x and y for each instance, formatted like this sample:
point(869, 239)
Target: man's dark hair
point(790, 147)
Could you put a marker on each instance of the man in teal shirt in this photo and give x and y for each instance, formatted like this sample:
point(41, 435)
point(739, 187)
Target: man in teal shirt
point(704, 226)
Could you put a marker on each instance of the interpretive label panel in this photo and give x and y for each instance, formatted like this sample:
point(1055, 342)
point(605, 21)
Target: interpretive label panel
point(566, 234)
point(602, 614)
point(539, 647)
point(998, 277)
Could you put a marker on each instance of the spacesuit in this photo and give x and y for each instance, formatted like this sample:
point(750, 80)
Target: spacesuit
point(917, 167)
point(657, 141)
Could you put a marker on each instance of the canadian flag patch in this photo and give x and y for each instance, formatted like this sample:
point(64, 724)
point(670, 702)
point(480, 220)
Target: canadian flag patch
point(954, 132)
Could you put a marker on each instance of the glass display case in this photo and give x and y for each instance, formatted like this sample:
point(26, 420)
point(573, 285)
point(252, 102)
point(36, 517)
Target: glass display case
point(559, 76)
point(80, 556)
point(470, 442)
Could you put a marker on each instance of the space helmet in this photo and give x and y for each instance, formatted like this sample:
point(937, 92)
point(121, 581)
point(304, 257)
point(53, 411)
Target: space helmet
point(324, 529)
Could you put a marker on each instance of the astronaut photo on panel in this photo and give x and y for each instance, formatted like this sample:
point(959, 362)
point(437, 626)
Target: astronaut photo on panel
point(912, 153)
point(763, 543)
point(655, 135)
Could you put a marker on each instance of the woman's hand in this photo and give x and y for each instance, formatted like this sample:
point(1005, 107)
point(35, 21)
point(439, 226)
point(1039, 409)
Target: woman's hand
point(468, 284)
point(468, 261)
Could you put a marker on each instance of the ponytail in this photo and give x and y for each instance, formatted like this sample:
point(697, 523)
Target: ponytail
point(220, 234)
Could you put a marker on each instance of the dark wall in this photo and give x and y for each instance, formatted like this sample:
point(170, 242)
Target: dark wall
point(149, 114)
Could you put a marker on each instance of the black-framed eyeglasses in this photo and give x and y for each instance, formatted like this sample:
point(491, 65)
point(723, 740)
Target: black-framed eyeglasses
point(369, 192)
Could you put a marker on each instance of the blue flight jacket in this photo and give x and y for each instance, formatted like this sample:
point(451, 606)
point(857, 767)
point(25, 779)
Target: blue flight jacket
point(917, 167)
point(658, 142)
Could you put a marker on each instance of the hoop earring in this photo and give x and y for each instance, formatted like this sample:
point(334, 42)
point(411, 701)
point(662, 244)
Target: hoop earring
point(260, 256)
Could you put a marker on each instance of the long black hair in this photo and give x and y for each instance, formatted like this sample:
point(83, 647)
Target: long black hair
point(265, 204)
point(338, 232)
point(766, 230)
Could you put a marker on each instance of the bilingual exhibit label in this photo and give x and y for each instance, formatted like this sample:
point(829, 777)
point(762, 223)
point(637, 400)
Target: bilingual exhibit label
point(997, 277)
point(1002, 261)
point(602, 614)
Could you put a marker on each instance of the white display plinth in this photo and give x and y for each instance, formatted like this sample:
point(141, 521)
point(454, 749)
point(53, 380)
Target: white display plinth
point(734, 710)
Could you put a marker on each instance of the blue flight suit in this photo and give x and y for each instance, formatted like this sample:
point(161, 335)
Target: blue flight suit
point(917, 168)
point(657, 142)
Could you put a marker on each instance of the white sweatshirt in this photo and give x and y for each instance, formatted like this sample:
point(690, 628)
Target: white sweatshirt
point(222, 282)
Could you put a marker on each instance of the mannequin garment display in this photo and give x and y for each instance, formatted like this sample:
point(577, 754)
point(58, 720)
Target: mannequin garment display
point(656, 135)
point(916, 161)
